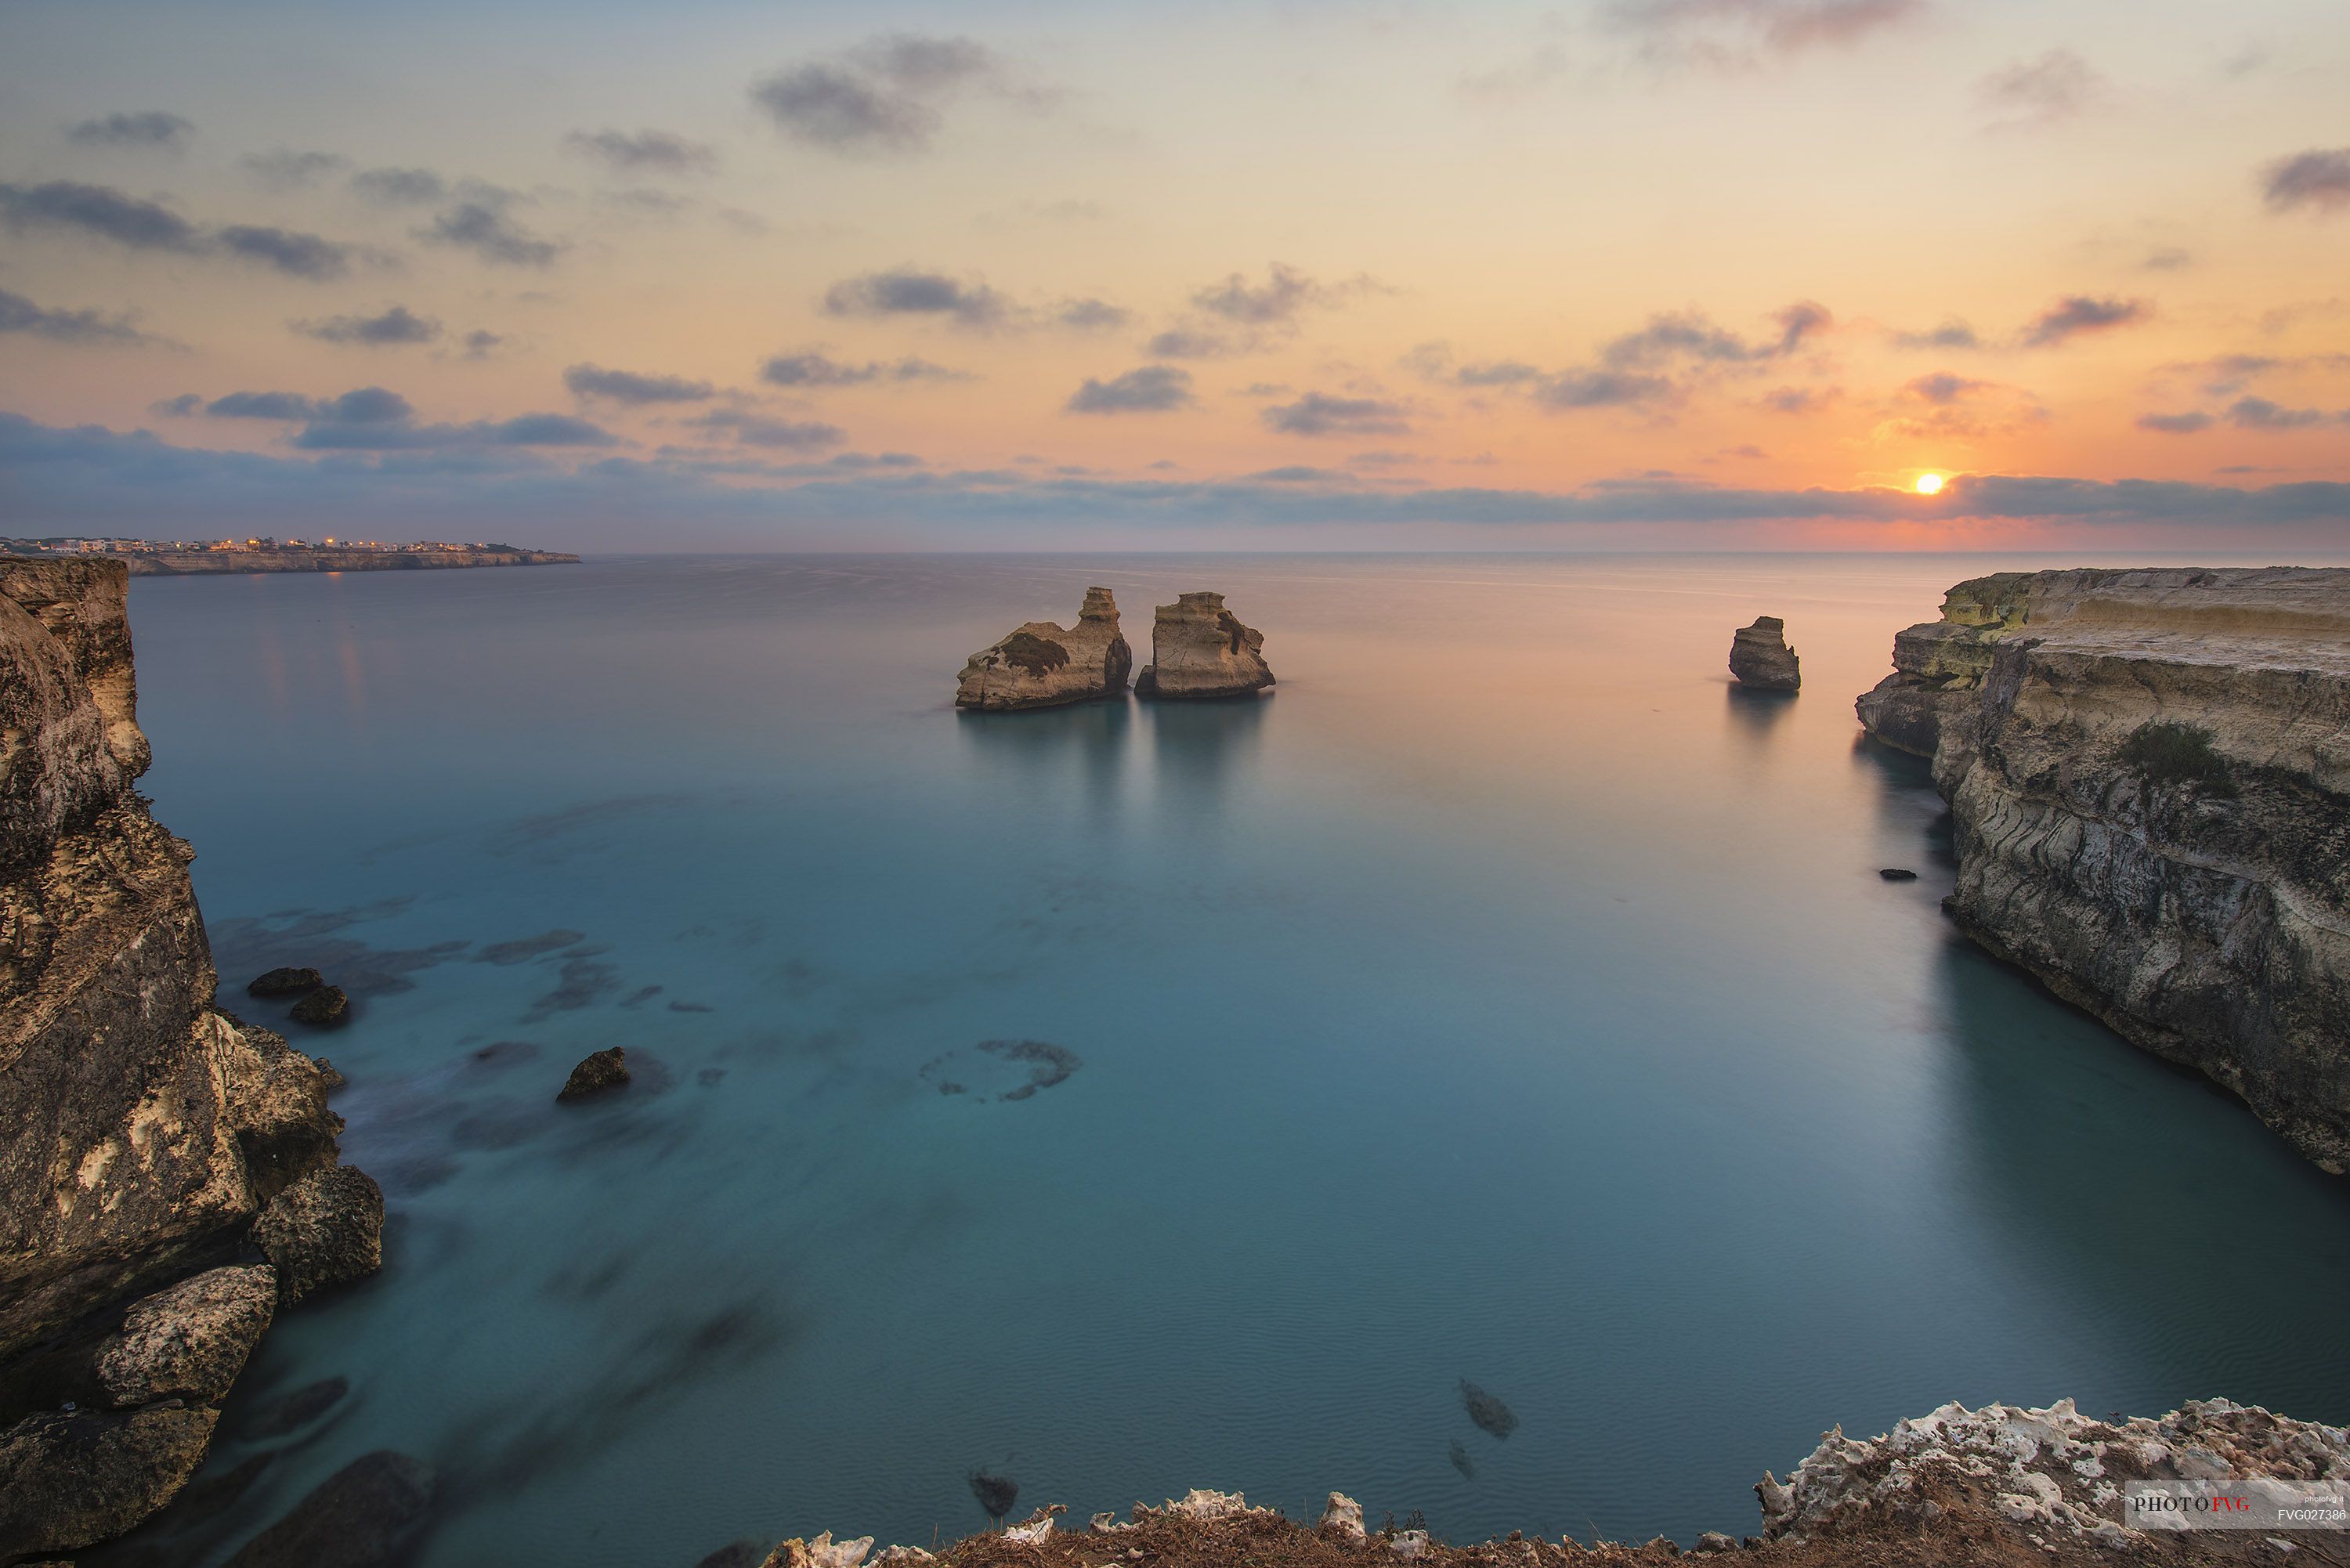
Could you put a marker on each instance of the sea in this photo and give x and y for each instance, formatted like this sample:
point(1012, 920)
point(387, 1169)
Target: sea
point(1124, 1098)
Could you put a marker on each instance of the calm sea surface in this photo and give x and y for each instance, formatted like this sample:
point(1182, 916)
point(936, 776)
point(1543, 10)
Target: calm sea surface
point(1505, 998)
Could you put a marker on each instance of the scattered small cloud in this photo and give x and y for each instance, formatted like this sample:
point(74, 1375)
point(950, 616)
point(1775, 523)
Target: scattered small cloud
point(2078, 314)
point(1278, 300)
point(643, 151)
point(1320, 414)
point(761, 430)
point(288, 251)
point(2261, 414)
point(399, 187)
point(100, 212)
point(1741, 33)
point(147, 128)
point(636, 390)
point(1149, 389)
point(1942, 387)
point(1591, 388)
point(18, 314)
point(903, 291)
point(396, 325)
point(2316, 180)
point(481, 341)
point(1091, 315)
point(886, 97)
point(483, 223)
point(2168, 258)
point(284, 169)
point(811, 368)
point(1801, 399)
point(2041, 91)
point(2176, 424)
point(1952, 333)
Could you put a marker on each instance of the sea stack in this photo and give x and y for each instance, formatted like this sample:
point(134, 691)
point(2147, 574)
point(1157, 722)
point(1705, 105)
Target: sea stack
point(1042, 665)
point(1199, 649)
point(1760, 656)
point(2149, 775)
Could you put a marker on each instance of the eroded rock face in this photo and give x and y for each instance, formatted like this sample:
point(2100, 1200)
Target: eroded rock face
point(325, 1230)
point(191, 1340)
point(1042, 665)
point(73, 1479)
point(1760, 656)
point(146, 1128)
point(1200, 649)
point(2149, 775)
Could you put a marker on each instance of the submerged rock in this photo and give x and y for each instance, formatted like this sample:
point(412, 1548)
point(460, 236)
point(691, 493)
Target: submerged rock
point(325, 1230)
point(292, 1411)
point(191, 1340)
point(1897, 874)
point(996, 1494)
point(324, 1008)
point(604, 1070)
point(1490, 1414)
point(362, 1516)
point(1199, 649)
point(285, 982)
point(72, 1479)
point(1042, 665)
point(1760, 656)
point(2149, 775)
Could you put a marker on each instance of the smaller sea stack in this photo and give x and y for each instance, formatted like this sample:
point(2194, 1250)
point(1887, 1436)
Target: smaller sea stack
point(1200, 649)
point(1760, 656)
point(1042, 665)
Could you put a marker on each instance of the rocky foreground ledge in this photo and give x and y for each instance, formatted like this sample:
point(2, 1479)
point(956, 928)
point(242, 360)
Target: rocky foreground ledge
point(2149, 775)
point(2003, 1485)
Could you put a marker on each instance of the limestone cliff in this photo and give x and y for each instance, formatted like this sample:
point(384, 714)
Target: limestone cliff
point(1042, 665)
point(2149, 774)
point(146, 1130)
point(1199, 648)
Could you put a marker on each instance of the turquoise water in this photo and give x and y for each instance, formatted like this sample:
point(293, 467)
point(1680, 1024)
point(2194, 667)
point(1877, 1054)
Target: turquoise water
point(1504, 998)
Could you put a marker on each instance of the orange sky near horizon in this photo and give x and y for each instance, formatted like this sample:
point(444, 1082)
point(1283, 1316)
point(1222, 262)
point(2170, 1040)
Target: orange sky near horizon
point(1018, 275)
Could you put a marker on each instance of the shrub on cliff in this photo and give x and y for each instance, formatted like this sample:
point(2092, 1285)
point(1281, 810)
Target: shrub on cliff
point(2168, 752)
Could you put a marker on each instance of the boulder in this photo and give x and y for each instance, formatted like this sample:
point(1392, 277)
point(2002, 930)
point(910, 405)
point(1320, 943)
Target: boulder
point(189, 1342)
point(70, 1479)
point(1342, 1520)
point(1200, 649)
point(1760, 656)
point(605, 1070)
point(325, 1230)
point(285, 982)
point(362, 1516)
point(1042, 665)
point(324, 1008)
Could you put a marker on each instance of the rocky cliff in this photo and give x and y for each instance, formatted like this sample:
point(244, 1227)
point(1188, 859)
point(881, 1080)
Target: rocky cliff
point(1042, 665)
point(2149, 774)
point(147, 1131)
point(1760, 656)
point(1199, 648)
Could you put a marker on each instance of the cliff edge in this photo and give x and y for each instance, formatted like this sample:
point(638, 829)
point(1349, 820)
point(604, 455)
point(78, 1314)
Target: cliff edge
point(2149, 774)
point(147, 1131)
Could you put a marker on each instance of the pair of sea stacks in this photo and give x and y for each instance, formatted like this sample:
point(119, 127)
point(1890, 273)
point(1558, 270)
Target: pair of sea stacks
point(1198, 649)
point(1760, 656)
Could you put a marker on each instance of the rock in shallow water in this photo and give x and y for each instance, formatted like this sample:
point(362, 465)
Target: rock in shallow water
point(286, 983)
point(362, 1516)
point(324, 1008)
point(72, 1479)
point(1760, 656)
point(190, 1342)
point(605, 1070)
point(1044, 664)
point(325, 1230)
point(1200, 649)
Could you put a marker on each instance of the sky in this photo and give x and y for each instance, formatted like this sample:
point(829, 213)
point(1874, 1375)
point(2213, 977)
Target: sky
point(1597, 274)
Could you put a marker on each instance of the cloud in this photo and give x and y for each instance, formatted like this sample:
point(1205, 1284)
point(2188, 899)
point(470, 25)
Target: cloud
point(1091, 315)
point(759, 429)
point(810, 369)
point(884, 97)
point(2174, 424)
point(2168, 258)
point(2077, 314)
point(2259, 414)
point(629, 388)
point(1736, 33)
point(396, 325)
point(399, 187)
point(1691, 335)
point(905, 292)
point(2041, 91)
point(1952, 333)
point(2317, 179)
point(18, 314)
point(1942, 387)
point(1600, 389)
point(1150, 388)
point(102, 212)
point(282, 169)
point(1187, 343)
point(99, 211)
point(643, 152)
point(1284, 294)
point(479, 223)
point(148, 128)
point(1800, 400)
point(374, 419)
point(1320, 414)
point(480, 341)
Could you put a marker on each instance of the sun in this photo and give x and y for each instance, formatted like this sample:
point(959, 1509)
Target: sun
point(1930, 484)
